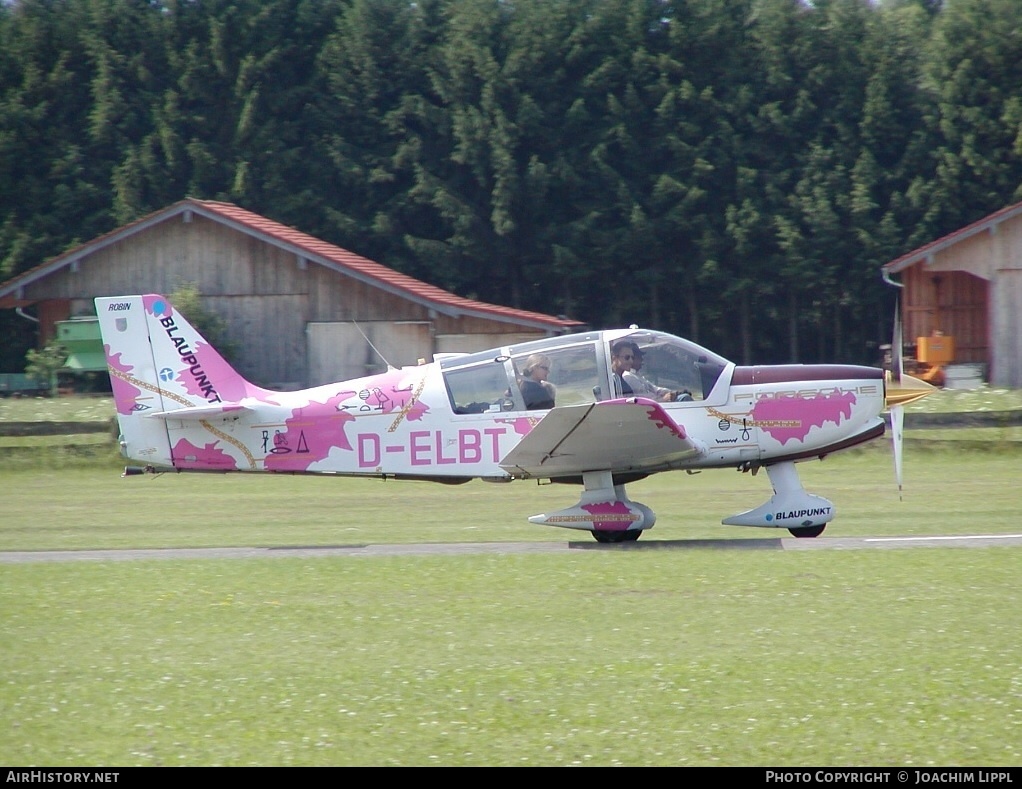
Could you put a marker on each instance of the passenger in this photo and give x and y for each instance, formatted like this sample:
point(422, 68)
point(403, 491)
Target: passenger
point(536, 389)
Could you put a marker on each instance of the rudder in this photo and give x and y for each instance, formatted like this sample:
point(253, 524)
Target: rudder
point(159, 363)
point(133, 379)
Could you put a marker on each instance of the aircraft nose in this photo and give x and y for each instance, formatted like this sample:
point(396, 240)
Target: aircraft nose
point(906, 390)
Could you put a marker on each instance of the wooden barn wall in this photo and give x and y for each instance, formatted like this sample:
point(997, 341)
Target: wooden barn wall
point(1007, 246)
point(339, 351)
point(265, 295)
point(1006, 369)
point(983, 254)
point(467, 326)
point(468, 343)
point(257, 288)
point(971, 254)
point(337, 298)
point(334, 297)
point(952, 302)
point(469, 334)
point(49, 313)
point(269, 337)
point(219, 260)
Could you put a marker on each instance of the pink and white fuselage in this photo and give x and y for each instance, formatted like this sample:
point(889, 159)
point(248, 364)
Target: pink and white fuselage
point(181, 406)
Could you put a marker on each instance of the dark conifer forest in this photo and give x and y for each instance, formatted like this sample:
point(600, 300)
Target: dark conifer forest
point(735, 171)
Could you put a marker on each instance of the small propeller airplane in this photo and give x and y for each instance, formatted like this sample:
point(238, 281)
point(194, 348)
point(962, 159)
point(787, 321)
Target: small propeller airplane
point(599, 424)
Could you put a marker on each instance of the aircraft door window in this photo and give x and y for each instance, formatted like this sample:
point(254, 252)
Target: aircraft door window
point(481, 388)
point(558, 376)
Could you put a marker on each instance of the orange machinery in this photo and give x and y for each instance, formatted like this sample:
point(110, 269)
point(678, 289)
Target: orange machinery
point(932, 354)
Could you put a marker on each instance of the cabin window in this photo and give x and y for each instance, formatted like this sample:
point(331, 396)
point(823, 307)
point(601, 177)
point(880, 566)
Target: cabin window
point(573, 377)
point(490, 381)
point(480, 387)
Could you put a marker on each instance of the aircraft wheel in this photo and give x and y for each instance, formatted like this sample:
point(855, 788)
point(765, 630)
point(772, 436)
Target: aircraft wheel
point(616, 536)
point(809, 531)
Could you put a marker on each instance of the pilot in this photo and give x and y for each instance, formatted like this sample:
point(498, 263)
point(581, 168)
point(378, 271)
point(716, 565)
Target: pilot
point(622, 357)
point(646, 388)
point(536, 389)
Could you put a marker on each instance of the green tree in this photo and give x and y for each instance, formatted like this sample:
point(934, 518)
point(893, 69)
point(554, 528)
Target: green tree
point(45, 200)
point(370, 65)
point(975, 71)
point(43, 365)
point(465, 157)
point(736, 170)
point(187, 300)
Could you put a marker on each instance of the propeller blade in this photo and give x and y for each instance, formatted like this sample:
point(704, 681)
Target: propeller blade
point(897, 348)
point(902, 389)
point(897, 431)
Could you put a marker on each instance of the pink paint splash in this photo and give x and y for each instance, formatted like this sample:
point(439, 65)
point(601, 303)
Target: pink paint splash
point(791, 418)
point(655, 412)
point(522, 425)
point(617, 508)
point(188, 455)
point(150, 302)
point(125, 393)
point(663, 421)
point(309, 436)
point(389, 392)
point(228, 383)
point(225, 380)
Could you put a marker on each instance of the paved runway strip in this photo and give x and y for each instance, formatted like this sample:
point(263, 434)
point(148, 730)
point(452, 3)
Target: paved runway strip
point(433, 549)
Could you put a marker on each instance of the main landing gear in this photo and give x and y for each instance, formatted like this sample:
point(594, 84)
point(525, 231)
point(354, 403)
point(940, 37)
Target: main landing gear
point(808, 531)
point(616, 536)
point(791, 508)
point(604, 510)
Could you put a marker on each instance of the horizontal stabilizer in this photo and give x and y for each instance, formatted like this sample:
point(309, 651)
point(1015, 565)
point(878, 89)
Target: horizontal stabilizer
point(633, 434)
point(202, 412)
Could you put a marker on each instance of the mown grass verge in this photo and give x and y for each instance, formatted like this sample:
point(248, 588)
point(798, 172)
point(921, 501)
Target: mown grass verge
point(597, 657)
point(822, 658)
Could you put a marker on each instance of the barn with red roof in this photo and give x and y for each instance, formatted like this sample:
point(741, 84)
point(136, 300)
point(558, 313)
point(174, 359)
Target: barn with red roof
point(967, 286)
point(300, 310)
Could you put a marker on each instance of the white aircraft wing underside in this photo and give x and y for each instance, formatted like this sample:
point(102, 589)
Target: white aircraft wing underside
point(633, 434)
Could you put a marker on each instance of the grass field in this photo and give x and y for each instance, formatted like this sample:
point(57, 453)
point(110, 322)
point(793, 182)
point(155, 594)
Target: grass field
point(600, 657)
point(94, 507)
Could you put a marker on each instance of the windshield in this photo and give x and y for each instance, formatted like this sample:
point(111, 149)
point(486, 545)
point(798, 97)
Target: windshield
point(671, 363)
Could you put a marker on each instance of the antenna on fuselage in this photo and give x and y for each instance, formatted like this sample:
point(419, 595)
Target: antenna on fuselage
point(370, 344)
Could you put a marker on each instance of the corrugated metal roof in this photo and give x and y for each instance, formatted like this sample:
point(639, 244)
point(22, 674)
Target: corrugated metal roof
point(925, 251)
point(304, 245)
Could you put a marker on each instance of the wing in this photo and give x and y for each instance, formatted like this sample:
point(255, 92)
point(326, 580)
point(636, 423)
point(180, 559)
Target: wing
point(633, 434)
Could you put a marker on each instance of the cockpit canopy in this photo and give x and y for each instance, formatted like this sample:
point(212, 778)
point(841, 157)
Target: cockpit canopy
point(579, 371)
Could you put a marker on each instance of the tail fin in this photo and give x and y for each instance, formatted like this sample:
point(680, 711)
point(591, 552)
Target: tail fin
point(160, 365)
